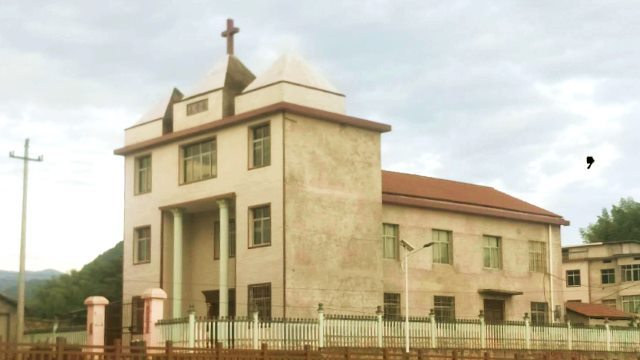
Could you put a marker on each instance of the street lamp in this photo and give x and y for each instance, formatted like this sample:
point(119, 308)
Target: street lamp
point(409, 250)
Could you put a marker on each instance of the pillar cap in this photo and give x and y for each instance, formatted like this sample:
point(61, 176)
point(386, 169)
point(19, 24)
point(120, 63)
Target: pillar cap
point(96, 300)
point(154, 293)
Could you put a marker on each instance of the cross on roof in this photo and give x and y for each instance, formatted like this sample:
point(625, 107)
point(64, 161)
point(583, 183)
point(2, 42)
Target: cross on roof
point(229, 35)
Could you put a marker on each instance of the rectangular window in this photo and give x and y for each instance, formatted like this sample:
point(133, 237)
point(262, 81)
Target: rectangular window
point(232, 239)
point(197, 107)
point(537, 256)
point(610, 303)
point(608, 276)
point(212, 297)
point(630, 272)
point(539, 313)
point(442, 246)
point(390, 241)
point(142, 245)
point(444, 308)
point(199, 161)
point(260, 299)
point(261, 225)
point(631, 304)
point(137, 315)
point(492, 253)
point(143, 174)
point(573, 277)
point(392, 306)
point(260, 146)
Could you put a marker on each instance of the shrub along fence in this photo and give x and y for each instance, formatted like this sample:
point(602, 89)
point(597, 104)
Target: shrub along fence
point(375, 331)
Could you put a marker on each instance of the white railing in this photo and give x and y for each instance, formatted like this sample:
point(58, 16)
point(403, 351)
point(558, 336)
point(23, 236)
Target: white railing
point(374, 331)
point(75, 337)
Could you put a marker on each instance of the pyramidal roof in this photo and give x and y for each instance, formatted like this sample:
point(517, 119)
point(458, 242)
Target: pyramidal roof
point(292, 68)
point(159, 110)
point(219, 75)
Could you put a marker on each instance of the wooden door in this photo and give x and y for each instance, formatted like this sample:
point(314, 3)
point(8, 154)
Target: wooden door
point(493, 310)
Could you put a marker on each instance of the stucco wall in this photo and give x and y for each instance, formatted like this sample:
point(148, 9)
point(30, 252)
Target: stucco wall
point(8, 321)
point(143, 132)
point(333, 211)
point(251, 187)
point(291, 93)
point(466, 275)
point(183, 121)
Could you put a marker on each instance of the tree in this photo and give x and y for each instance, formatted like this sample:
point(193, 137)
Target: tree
point(622, 224)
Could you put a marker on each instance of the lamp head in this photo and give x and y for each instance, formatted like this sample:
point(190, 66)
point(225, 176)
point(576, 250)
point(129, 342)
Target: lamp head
point(406, 245)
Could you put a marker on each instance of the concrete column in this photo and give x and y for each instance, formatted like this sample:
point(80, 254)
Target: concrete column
point(176, 307)
point(223, 207)
point(95, 321)
point(153, 311)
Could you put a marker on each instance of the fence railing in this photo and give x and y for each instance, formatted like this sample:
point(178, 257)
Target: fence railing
point(76, 336)
point(374, 331)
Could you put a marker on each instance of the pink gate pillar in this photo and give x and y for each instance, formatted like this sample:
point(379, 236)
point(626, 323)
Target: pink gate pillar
point(153, 311)
point(95, 321)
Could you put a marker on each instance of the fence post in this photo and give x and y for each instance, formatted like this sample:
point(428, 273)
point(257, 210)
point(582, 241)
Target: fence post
point(486, 354)
point(483, 332)
point(191, 331)
point(95, 321)
point(385, 354)
point(60, 345)
point(379, 325)
point(569, 336)
point(307, 352)
point(218, 350)
point(527, 331)
point(347, 353)
point(434, 328)
point(117, 344)
point(264, 351)
point(320, 326)
point(608, 330)
point(255, 335)
point(168, 349)
point(153, 312)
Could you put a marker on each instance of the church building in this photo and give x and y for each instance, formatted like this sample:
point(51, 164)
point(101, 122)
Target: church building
point(261, 192)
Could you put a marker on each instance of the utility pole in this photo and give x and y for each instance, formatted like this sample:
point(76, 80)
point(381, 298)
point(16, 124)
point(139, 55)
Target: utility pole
point(23, 236)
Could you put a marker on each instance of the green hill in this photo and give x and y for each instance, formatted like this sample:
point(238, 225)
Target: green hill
point(34, 279)
point(65, 294)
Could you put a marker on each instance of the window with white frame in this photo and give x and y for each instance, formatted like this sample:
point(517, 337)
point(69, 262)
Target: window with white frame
point(390, 241)
point(197, 107)
point(539, 313)
point(260, 300)
point(143, 174)
point(199, 161)
point(261, 225)
point(630, 272)
point(444, 308)
point(492, 252)
point(631, 304)
point(573, 278)
point(442, 246)
point(142, 245)
point(608, 276)
point(537, 259)
point(392, 306)
point(260, 146)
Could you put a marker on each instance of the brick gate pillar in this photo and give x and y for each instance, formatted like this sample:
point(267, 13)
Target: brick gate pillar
point(153, 311)
point(95, 321)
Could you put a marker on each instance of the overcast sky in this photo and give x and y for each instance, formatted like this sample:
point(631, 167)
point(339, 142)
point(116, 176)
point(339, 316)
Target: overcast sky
point(511, 94)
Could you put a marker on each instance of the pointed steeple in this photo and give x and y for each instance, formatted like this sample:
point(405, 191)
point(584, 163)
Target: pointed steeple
point(162, 110)
point(292, 68)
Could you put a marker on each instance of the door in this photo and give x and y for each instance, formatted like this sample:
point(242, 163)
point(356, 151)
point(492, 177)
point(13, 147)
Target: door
point(493, 310)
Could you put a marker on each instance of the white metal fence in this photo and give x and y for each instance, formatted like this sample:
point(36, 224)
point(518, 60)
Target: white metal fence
point(74, 337)
point(374, 331)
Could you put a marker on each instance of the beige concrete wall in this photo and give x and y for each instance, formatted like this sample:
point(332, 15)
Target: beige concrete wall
point(333, 212)
point(251, 187)
point(136, 134)
point(8, 321)
point(180, 119)
point(466, 275)
point(291, 93)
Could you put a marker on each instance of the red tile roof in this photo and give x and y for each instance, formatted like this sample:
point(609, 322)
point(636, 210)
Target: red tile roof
point(423, 191)
point(597, 311)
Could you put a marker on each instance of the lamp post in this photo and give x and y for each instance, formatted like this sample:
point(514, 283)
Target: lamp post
point(409, 250)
